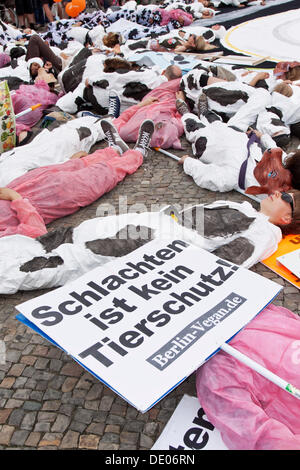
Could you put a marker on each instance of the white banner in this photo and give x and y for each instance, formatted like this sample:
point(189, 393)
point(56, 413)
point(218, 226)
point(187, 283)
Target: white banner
point(145, 322)
point(189, 429)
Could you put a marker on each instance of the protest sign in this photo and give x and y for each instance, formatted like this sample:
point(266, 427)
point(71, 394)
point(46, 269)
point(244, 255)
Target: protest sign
point(287, 245)
point(143, 323)
point(189, 429)
point(291, 261)
point(7, 119)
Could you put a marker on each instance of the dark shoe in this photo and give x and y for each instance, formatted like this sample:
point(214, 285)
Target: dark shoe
point(112, 136)
point(202, 104)
point(182, 107)
point(114, 104)
point(145, 134)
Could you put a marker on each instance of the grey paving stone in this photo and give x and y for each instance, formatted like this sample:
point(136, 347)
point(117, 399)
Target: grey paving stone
point(61, 424)
point(28, 421)
point(18, 438)
point(16, 417)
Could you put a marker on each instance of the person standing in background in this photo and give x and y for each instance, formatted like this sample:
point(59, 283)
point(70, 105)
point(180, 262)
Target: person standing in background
point(24, 10)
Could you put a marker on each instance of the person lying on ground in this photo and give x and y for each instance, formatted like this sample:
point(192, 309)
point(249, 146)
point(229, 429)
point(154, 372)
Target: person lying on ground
point(227, 157)
point(158, 105)
point(250, 411)
point(232, 231)
point(44, 194)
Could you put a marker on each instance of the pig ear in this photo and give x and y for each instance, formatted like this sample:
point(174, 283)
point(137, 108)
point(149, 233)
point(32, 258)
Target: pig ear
point(257, 190)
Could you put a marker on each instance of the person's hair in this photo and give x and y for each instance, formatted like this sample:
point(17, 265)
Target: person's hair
point(116, 63)
point(294, 227)
point(111, 39)
point(172, 72)
point(293, 73)
point(200, 43)
point(292, 163)
point(284, 89)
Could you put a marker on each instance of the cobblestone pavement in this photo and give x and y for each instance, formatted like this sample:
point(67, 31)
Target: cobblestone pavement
point(47, 400)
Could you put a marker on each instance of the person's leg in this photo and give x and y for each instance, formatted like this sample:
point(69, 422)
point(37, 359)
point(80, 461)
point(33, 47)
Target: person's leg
point(47, 11)
point(39, 48)
point(247, 114)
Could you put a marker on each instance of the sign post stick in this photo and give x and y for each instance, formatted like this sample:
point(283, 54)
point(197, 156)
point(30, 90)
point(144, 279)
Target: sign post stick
point(261, 370)
point(28, 110)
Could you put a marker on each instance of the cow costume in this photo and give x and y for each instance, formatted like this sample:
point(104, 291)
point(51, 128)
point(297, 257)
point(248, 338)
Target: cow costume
point(226, 155)
point(50, 147)
point(233, 231)
point(131, 85)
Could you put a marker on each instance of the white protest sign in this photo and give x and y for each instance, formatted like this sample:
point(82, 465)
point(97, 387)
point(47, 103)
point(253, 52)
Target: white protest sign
point(189, 429)
point(145, 322)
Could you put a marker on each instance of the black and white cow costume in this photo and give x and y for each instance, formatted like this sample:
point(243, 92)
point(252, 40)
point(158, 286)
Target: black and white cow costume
point(234, 232)
point(50, 147)
point(131, 86)
point(221, 148)
point(224, 97)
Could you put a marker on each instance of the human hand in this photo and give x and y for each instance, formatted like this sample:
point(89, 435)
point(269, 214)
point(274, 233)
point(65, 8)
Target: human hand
point(256, 132)
point(181, 161)
point(8, 194)
point(180, 95)
point(78, 155)
point(147, 102)
point(262, 75)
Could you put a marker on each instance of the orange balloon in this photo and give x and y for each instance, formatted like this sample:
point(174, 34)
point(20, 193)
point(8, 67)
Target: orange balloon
point(72, 10)
point(80, 3)
point(57, 1)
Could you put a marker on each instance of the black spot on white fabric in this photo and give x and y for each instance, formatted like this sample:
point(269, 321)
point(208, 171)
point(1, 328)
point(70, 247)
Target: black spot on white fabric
point(237, 251)
point(276, 122)
point(40, 262)
point(200, 146)
point(89, 97)
point(191, 125)
point(138, 45)
point(226, 97)
point(52, 240)
point(101, 84)
point(135, 90)
point(83, 132)
point(224, 221)
point(273, 109)
point(179, 57)
point(122, 244)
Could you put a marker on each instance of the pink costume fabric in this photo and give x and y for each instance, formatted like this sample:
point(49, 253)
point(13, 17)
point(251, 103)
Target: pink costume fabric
point(54, 191)
point(251, 412)
point(4, 59)
point(28, 95)
point(167, 16)
point(167, 120)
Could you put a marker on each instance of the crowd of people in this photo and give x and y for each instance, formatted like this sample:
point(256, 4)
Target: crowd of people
point(122, 74)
